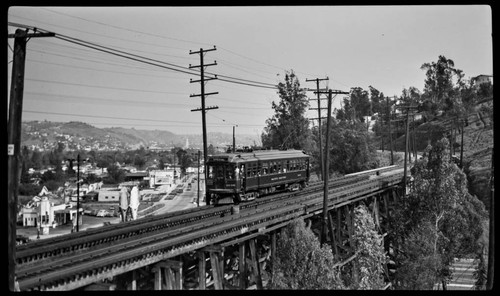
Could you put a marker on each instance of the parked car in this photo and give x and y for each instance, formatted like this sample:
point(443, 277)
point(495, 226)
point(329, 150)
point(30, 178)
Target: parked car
point(21, 239)
point(103, 213)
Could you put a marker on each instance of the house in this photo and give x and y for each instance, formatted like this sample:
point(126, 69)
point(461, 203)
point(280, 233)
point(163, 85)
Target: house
point(112, 195)
point(480, 79)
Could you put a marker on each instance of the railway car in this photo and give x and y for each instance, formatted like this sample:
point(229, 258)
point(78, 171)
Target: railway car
point(244, 176)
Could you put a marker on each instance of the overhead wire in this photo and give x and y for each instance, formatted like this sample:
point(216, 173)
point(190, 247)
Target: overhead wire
point(153, 62)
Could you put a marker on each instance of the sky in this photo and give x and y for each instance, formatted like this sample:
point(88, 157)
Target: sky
point(146, 85)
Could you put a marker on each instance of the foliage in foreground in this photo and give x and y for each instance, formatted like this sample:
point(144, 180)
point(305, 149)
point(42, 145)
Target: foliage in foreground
point(437, 222)
point(371, 254)
point(301, 263)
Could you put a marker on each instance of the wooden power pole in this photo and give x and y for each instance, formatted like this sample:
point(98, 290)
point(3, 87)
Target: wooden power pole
point(322, 172)
point(204, 109)
point(324, 224)
point(14, 140)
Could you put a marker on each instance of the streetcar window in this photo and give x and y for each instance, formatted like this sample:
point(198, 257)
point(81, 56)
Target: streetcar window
point(230, 171)
point(249, 171)
point(219, 173)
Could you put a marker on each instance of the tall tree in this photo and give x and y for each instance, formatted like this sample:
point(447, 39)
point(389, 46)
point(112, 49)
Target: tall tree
point(440, 204)
point(440, 89)
point(288, 127)
point(377, 101)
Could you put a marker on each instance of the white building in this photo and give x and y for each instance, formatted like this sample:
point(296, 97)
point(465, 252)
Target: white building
point(48, 212)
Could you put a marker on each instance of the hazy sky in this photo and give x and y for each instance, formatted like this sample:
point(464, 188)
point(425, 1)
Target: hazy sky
point(355, 46)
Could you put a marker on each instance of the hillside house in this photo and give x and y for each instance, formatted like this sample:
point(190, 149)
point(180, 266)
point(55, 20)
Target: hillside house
point(480, 79)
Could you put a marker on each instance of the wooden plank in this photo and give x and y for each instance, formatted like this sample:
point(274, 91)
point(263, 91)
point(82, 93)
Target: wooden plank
point(242, 266)
point(201, 270)
point(256, 265)
point(214, 262)
point(169, 278)
point(273, 250)
point(134, 280)
point(332, 234)
point(157, 284)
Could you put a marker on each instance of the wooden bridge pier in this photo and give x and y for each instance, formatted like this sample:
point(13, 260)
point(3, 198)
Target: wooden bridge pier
point(168, 275)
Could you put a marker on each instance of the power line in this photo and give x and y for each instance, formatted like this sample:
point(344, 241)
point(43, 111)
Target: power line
point(105, 87)
point(147, 60)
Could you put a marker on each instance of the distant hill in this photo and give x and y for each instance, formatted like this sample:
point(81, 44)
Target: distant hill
point(46, 135)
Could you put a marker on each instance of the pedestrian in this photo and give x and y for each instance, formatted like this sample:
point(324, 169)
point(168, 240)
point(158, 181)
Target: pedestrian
point(134, 202)
point(124, 197)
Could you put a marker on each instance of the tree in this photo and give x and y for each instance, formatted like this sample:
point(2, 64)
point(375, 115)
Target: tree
point(377, 101)
point(350, 149)
point(161, 164)
point(301, 263)
point(115, 174)
point(184, 160)
point(288, 127)
point(440, 89)
point(441, 211)
point(371, 255)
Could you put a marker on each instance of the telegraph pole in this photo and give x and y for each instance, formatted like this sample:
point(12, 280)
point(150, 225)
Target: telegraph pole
point(390, 129)
point(203, 108)
point(322, 172)
point(406, 145)
point(14, 140)
point(324, 225)
point(198, 180)
point(234, 141)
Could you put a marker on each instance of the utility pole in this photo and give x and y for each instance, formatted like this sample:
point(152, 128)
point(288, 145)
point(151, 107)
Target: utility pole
point(327, 167)
point(234, 141)
point(198, 179)
point(324, 225)
point(78, 192)
point(14, 140)
point(322, 172)
point(203, 108)
point(390, 129)
point(406, 145)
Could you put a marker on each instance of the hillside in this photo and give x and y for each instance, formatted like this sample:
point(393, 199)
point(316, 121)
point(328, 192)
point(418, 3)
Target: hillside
point(45, 135)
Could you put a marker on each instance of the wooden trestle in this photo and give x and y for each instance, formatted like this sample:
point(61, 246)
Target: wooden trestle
point(168, 273)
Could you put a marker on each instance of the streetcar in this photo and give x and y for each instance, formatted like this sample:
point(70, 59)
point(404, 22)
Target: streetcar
point(243, 176)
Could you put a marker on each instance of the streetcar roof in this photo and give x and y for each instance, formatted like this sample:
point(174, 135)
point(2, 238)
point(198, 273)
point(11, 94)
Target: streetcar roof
point(259, 155)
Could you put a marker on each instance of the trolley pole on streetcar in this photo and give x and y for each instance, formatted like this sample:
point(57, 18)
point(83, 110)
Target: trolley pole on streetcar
point(322, 171)
point(203, 109)
point(14, 140)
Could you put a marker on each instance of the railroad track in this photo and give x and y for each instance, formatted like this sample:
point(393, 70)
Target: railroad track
point(40, 251)
point(70, 259)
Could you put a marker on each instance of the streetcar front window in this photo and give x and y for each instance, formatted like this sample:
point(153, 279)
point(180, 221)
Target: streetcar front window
point(230, 171)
